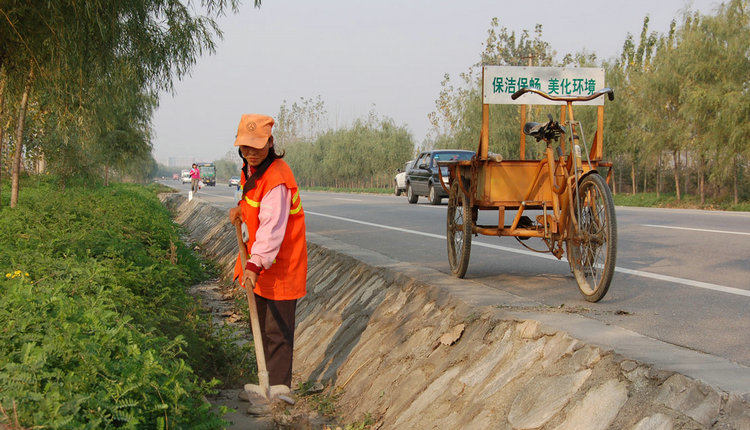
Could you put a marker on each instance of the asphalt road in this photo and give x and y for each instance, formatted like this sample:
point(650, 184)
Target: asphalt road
point(683, 276)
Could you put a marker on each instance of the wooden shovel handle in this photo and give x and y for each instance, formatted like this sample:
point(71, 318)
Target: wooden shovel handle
point(254, 320)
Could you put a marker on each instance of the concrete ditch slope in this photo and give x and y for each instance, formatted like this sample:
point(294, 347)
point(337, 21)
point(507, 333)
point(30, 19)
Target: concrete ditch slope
point(412, 348)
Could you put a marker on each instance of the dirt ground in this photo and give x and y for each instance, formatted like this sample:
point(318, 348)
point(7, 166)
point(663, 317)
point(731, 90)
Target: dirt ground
point(220, 300)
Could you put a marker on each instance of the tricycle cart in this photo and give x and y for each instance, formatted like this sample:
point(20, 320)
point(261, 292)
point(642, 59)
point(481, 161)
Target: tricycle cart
point(577, 211)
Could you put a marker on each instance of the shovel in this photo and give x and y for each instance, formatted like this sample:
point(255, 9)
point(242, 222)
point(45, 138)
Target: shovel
point(263, 388)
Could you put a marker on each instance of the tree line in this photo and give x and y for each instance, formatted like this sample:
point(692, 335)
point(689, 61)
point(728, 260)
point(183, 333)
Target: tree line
point(79, 81)
point(364, 154)
point(680, 122)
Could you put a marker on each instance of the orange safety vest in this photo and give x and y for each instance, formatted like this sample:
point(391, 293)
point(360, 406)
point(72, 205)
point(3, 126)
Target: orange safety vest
point(287, 277)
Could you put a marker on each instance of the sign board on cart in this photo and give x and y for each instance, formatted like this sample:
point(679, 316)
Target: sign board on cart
point(502, 81)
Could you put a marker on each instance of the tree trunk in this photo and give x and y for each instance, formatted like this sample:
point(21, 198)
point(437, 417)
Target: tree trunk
point(106, 174)
point(645, 177)
point(676, 157)
point(19, 140)
point(619, 179)
point(702, 180)
point(614, 183)
point(658, 177)
point(632, 178)
point(42, 163)
point(735, 174)
point(686, 173)
point(2, 129)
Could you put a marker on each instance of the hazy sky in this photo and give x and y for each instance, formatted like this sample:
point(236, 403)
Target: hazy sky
point(386, 54)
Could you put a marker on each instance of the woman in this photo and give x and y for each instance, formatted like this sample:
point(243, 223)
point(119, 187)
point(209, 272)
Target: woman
point(195, 177)
point(274, 221)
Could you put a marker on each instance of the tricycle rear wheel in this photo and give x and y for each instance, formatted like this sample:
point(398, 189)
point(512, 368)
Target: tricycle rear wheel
point(460, 221)
point(592, 249)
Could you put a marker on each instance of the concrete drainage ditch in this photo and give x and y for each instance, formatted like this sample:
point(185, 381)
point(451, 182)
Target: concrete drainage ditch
point(411, 354)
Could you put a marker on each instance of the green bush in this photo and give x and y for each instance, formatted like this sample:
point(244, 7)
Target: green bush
point(96, 326)
point(666, 200)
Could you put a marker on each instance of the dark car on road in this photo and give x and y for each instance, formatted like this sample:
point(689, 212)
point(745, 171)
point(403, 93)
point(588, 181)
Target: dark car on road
point(423, 179)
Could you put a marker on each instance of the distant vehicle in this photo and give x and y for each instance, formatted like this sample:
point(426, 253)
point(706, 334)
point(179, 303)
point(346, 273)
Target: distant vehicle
point(234, 181)
point(185, 176)
point(176, 176)
point(399, 182)
point(423, 179)
point(208, 173)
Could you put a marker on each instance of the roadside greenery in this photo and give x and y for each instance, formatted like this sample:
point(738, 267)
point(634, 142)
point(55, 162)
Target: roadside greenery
point(79, 81)
point(98, 329)
point(364, 154)
point(665, 200)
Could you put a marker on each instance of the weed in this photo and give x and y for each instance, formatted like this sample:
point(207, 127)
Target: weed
point(366, 422)
point(325, 402)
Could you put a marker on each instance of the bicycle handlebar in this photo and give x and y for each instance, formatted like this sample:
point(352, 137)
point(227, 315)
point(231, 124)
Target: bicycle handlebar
point(601, 92)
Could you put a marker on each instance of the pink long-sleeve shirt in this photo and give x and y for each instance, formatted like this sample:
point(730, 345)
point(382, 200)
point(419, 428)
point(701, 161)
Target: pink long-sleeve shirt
point(272, 220)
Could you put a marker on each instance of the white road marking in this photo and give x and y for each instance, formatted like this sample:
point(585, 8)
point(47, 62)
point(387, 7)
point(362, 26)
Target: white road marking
point(666, 278)
point(198, 194)
point(348, 200)
point(696, 229)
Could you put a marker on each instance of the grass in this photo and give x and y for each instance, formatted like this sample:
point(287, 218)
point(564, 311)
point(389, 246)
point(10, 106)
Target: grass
point(670, 201)
point(97, 328)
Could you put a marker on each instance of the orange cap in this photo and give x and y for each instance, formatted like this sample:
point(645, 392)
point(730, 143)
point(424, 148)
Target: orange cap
point(254, 130)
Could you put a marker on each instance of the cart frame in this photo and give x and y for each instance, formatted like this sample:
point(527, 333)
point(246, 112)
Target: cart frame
point(577, 213)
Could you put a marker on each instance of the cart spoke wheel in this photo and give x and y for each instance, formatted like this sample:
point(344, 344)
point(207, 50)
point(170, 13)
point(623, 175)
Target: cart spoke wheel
point(460, 221)
point(592, 249)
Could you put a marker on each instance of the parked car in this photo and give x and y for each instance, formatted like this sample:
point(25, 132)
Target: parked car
point(185, 176)
point(399, 182)
point(423, 179)
point(234, 181)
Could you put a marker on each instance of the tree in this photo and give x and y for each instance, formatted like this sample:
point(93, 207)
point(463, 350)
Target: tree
point(363, 155)
point(74, 47)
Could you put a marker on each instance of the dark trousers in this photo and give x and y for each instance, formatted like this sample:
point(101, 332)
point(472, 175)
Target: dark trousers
point(277, 331)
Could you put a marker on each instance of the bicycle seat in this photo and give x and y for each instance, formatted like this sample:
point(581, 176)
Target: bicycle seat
point(533, 129)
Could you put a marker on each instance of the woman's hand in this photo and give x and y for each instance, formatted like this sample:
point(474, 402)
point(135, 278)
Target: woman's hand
point(235, 215)
point(249, 278)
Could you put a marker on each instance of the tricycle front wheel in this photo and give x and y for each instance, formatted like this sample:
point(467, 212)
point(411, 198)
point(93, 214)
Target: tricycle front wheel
point(592, 247)
point(460, 221)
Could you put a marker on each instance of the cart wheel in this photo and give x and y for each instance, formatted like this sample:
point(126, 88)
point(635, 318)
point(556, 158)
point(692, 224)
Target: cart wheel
point(459, 230)
point(592, 249)
point(410, 194)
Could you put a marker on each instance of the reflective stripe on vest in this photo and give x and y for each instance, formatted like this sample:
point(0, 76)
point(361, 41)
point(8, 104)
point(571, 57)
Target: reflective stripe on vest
point(252, 203)
point(295, 198)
